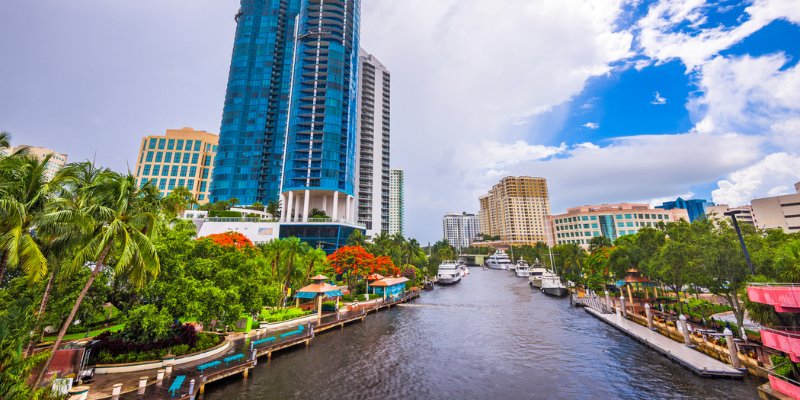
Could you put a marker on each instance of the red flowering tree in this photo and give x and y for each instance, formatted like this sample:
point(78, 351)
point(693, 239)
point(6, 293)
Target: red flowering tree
point(352, 261)
point(230, 239)
point(385, 266)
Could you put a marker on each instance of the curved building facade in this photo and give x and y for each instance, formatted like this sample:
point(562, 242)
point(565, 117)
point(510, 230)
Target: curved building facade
point(289, 124)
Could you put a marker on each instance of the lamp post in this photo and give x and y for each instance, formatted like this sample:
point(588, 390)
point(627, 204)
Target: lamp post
point(732, 214)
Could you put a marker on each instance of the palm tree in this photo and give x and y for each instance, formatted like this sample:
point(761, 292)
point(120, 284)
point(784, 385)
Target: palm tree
point(294, 250)
point(5, 140)
point(121, 219)
point(24, 194)
point(312, 259)
point(274, 208)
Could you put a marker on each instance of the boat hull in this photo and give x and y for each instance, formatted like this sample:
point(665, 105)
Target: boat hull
point(555, 291)
point(537, 283)
point(495, 266)
point(449, 280)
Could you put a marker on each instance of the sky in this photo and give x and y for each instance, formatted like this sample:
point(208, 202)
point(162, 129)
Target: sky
point(610, 100)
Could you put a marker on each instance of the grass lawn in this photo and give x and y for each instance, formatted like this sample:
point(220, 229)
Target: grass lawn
point(81, 335)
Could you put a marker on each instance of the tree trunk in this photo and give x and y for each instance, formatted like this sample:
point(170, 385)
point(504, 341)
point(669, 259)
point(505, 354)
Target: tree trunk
point(287, 281)
point(678, 300)
point(738, 312)
point(42, 308)
point(97, 268)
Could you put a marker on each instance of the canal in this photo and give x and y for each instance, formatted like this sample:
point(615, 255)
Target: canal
point(490, 336)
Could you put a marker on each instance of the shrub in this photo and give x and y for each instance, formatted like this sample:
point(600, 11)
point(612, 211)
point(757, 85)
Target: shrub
point(279, 315)
point(147, 323)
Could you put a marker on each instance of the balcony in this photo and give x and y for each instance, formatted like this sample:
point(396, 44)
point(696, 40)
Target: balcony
point(785, 386)
point(784, 297)
point(783, 340)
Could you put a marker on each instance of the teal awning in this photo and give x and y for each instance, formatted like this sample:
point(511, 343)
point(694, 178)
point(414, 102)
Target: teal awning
point(305, 295)
point(334, 293)
point(619, 284)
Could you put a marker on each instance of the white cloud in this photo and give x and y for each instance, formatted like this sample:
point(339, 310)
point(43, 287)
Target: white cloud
point(497, 155)
point(766, 178)
point(660, 41)
point(658, 99)
point(592, 125)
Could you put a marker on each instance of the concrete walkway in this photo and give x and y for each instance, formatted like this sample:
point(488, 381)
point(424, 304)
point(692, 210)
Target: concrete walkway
point(696, 361)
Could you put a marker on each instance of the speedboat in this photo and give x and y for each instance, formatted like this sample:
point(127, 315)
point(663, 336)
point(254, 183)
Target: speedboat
point(522, 270)
point(551, 285)
point(499, 260)
point(449, 273)
point(536, 271)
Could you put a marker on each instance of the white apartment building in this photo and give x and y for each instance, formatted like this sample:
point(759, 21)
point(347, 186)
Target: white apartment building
point(396, 202)
point(459, 229)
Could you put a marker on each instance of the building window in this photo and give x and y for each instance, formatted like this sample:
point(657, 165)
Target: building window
point(171, 144)
point(180, 145)
point(156, 169)
point(152, 144)
point(183, 171)
point(629, 224)
point(194, 157)
point(182, 182)
point(628, 216)
point(161, 143)
point(197, 145)
point(168, 157)
point(193, 171)
point(162, 184)
point(149, 157)
point(159, 156)
point(186, 158)
point(171, 184)
point(190, 184)
point(174, 170)
point(146, 169)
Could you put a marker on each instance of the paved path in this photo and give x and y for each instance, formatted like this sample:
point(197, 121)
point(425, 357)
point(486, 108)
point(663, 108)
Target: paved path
point(696, 361)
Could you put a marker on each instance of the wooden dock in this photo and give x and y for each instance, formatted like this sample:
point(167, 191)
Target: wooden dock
point(695, 361)
point(243, 367)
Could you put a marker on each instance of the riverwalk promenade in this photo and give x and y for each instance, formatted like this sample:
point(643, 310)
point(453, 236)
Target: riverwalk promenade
point(187, 380)
point(696, 361)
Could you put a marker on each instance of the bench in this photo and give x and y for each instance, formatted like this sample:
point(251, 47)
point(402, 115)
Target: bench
point(233, 358)
point(176, 385)
point(265, 340)
point(206, 366)
point(294, 332)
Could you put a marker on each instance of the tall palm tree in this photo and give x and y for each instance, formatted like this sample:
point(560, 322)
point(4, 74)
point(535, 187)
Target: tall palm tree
point(294, 250)
point(24, 194)
point(121, 218)
point(312, 259)
point(5, 140)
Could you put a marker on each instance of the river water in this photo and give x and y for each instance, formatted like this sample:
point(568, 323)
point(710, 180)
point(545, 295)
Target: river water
point(489, 337)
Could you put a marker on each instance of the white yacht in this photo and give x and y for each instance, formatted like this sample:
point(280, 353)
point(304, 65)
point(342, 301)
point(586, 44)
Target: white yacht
point(551, 284)
point(522, 270)
point(450, 272)
point(535, 274)
point(499, 260)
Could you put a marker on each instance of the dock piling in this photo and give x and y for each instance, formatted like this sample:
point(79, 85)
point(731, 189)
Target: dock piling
point(732, 348)
point(687, 340)
point(649, 314)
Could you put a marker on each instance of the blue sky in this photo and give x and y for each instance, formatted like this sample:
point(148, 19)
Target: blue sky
point(610, 100)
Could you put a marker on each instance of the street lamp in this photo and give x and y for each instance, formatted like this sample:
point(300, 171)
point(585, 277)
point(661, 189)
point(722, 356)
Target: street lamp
point(732, 214)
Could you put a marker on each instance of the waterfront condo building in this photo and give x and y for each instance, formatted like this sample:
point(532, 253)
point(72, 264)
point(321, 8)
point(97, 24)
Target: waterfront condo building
point(56, 162)
point(179, 158)
point(289, 122)
point(396, 202)
point(516, 210)
point(744, 214)
point(580, 224)
point(778, 211)
point(696, 208)
point(459, 229)
point(372, 189)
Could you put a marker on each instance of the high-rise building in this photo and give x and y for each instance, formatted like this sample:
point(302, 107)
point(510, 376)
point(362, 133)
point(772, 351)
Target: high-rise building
point(372, 191)
point(396, 202)
point(56, 162)
point(460, 229)
point(744, 214)
point(289, 122)
point(778, 211)
point(580, 224)
point(516, 210)
point(179, 158)
point(696, 208)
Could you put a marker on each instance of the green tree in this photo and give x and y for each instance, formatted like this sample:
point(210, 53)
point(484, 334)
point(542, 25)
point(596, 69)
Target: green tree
point(274, 208)
point(5, 140)
point(178, 200)
point(356, 239)
point(121, 218)
point(676, 263)
point(599, 242)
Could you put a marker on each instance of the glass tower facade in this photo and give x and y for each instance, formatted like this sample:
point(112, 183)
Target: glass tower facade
point(695, 207)
point(289, 121)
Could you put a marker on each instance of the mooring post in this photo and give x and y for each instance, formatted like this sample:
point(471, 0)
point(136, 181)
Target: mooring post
point(731, 348)
point(191, 388)
point(622, 305)
point(649, 314)
point(686, 338)
point(608, 299)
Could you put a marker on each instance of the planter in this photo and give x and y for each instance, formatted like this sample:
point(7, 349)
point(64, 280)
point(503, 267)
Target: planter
point(288, 323)
point(155, 364)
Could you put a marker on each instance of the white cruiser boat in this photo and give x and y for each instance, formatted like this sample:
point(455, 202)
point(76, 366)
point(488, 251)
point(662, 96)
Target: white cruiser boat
point(551, 285)
point(522, 270)
point(450, 272)
point(499, 260)
point(536, 271)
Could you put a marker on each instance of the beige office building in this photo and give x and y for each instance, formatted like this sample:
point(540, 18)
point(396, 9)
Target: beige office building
point(744, 214)
point(516, 210)
point(580, 224)
point(778, 212)
point(57, 160)
point(181, 157)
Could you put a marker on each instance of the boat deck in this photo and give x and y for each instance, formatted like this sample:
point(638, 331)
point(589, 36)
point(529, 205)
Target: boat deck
point(696, 361)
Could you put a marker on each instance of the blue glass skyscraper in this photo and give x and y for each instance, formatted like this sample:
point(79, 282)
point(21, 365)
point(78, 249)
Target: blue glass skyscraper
point(695, 207)
point(289, 123)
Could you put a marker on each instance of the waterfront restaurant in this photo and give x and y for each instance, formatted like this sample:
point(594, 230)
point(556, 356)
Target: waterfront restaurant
point(318, 290)
point(390, 287)
point(634, 279)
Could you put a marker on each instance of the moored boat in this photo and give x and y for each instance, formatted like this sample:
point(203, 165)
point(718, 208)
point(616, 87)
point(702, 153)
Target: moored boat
point(536, 271)
point(551, 285)
point(449, 273)
point(499, 260)
point(522, 270)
